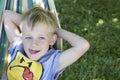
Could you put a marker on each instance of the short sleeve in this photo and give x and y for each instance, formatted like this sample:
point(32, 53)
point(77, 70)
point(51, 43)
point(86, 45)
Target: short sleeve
point(50, 65)
point(14, 44)
point(55, 66)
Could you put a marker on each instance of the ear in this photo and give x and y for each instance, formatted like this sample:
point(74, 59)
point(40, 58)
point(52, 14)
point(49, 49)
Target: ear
point(53, 39)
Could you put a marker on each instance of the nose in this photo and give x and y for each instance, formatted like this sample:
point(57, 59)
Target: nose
point(35, 43)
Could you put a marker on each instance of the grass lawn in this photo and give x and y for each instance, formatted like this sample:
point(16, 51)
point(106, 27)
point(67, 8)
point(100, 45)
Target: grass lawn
point(99, 22)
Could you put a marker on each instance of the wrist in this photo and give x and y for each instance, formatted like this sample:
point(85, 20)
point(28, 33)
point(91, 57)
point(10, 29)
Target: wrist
point(57, 32)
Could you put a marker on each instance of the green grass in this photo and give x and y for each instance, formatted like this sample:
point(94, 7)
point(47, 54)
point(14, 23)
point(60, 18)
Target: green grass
point(99, 22)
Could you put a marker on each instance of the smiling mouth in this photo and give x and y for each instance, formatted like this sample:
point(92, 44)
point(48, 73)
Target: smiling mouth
point(33, 51)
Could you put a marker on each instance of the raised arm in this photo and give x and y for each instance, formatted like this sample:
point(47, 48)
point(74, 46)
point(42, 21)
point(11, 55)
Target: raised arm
point(79, 47)
point(11, 23)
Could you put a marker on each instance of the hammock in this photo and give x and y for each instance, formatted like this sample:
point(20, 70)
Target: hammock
point(21, 6)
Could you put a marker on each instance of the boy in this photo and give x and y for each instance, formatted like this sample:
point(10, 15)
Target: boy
point(31, 55)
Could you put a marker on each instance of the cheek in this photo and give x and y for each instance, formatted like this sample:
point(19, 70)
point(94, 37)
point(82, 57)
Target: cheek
point(26, 43)
point(45, 46)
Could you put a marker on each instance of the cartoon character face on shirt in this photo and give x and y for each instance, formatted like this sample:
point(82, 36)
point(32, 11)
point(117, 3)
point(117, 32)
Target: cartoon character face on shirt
point(23, 68)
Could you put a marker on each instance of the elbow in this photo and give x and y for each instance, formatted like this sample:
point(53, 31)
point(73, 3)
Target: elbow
point(87, 46)
point(6, 14)
point(84, 44)
point(84, 47)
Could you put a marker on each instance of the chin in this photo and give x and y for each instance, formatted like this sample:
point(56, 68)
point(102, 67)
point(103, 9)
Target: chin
point(35, 59)
point(32, 57)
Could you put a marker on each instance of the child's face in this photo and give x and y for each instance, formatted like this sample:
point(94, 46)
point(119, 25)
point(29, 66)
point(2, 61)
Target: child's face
point(36, 41)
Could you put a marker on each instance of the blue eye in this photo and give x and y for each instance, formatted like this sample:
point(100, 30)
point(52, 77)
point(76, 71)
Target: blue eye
point(42, 38)
point(28, 37)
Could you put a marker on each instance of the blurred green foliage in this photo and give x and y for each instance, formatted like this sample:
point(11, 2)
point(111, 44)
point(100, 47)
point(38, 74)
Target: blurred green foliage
point(99, 22)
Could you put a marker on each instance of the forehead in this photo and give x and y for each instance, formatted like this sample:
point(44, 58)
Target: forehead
point(25, 24)
point(39, 28)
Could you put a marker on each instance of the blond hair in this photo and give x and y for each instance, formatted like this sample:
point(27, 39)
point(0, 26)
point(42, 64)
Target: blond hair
point(37, 15)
